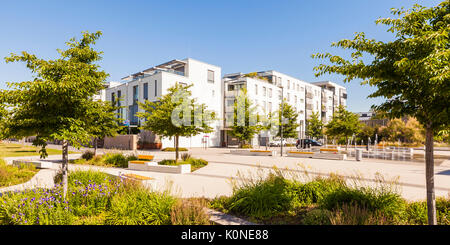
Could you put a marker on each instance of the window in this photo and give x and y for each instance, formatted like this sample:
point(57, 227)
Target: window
point(135, 94)
point(256, 89)
point(289, 84)
point(145, 91)
point(289, 97)
point(212, 93)
point(113, 97)
point(264, 106)
point(295, 99)
point(230, 87)
point(264, 91)
point(270, 107)
point(156, 88)
point(302, 101)
point(230, 102)
point(270, 93)
point(210, 76)
point(303, 89)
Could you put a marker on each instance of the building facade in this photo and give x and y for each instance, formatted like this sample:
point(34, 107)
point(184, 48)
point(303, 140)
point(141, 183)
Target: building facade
point(266, 89)
point(152, 83)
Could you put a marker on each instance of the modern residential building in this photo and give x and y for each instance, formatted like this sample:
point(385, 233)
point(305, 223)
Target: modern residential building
point(152, 83)
point(266, 90)
point(333, 95)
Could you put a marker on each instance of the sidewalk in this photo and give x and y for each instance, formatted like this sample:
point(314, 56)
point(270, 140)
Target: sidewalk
point(215, 179)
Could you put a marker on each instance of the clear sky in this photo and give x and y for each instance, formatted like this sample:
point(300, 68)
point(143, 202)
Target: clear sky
point(239, 36)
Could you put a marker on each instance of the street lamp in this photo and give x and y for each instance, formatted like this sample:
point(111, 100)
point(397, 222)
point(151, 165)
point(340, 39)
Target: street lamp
point(281, 126)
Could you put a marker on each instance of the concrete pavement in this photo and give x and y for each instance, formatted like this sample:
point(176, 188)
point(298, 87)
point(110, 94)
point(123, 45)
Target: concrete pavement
point(225, 168)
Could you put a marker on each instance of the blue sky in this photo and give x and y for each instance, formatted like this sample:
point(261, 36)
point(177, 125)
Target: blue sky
point(239, 36)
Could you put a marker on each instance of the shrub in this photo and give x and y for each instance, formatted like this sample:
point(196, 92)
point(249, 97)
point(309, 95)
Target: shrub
point(357, 215)
point(118, 159)
point(185, 156)
point(87, 155)
point(416, 212)
point(35, 207)
point(388, 203)
point(189, 212)
point(195, 163)
point(173, 149)
point(139, 206)
point(246, 146)
point(13, 175)
point(317, 217)
point(262, 199)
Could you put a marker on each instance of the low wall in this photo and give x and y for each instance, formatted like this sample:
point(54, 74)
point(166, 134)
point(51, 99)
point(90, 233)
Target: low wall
point(253, 152)
point(123, 142)
point(154, 167)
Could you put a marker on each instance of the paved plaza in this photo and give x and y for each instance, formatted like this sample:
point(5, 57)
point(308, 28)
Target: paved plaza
point(224, 168)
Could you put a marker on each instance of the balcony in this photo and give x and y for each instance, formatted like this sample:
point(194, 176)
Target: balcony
point(309, 106)
point(309, 95)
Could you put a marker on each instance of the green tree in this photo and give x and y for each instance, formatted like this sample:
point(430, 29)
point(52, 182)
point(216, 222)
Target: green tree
point(411, 72)
point(366, 132)
point(343, 124)
point(245, 119)
point(103, 120)
point(54, 105)
point(287, 121)
point(315, 126)
point(176, 115)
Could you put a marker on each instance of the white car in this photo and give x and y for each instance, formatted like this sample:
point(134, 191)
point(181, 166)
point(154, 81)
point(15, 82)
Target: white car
point(277, 142)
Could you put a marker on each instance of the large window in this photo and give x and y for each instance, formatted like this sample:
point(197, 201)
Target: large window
point(156, 88)
point(135, 94)
point(264, 91)
point(256, 89)
point(210, 76)
point(145, 91)
point(270, 92)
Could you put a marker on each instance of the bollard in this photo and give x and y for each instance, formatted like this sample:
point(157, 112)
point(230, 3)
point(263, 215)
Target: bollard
point(358, 154)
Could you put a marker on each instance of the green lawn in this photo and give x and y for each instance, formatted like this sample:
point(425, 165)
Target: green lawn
point(17, 150)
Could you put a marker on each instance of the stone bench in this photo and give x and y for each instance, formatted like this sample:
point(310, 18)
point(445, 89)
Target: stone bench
point(300, 154)
point(253, 152)
point(146, 157)
point(154, 167)
point(37, 164)
point(331, 156)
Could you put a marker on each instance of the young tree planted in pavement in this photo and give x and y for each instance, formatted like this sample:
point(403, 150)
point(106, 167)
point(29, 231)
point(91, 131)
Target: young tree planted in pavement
point(176, 114)
point(411, 72)
point(288, 121)
point(343, 124)
point(55, 104)
point(103, 121)
point(314, 126)
point(245, 119)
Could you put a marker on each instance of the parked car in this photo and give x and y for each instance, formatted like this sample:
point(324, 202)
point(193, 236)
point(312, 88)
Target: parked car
point(306, 143)
point(277, 142)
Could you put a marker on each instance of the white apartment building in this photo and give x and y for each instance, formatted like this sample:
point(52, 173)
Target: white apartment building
point(152, 83)
point(266, 90)
point(333, 95)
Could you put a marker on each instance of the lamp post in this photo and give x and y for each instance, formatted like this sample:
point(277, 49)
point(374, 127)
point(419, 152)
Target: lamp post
point(281, 126)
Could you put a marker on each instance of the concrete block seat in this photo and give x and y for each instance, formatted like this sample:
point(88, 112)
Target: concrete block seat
point(301, 154)
point(254, 152)
point(37, 164)
point(145, 163)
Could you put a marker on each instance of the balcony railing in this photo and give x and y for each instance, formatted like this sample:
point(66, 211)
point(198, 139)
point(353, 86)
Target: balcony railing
point(309, 95)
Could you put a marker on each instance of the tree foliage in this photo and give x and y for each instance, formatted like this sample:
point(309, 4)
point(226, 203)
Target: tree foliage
point(245, 122)
point(176, 115)
point(315, 126)
point(343, 124)
point(57, 104)
point(287, 120)
point(412, 72)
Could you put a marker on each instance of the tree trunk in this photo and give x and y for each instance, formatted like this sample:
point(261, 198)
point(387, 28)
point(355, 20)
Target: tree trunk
point(64, 166)
point(176, 147)
point(429, 174)
point(95, 146)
